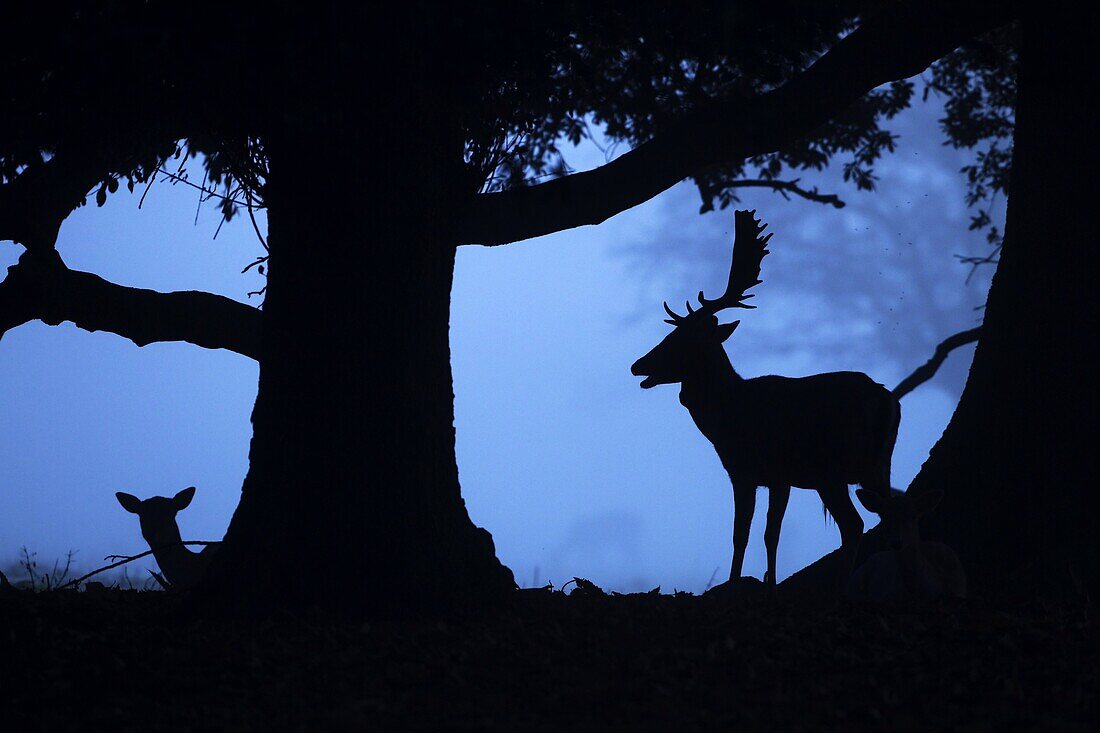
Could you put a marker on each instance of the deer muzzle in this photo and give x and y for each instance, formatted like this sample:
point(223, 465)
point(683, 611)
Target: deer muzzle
point(639, 370)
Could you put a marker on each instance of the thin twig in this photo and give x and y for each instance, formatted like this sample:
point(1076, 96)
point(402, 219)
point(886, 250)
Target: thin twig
point(976, 261)
point(786, 187)
point(927, 370)
point(258, 261)
point(207, 191)
point(198, 206)
point(130, 558)
point(251, 215)
point(152, 180)
point(710, 583)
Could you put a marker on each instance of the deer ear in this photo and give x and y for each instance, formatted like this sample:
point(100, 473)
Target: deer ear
point(871, 501)
point(129, 502)
point(725, 330)
point(183, 498)
point(927, 501)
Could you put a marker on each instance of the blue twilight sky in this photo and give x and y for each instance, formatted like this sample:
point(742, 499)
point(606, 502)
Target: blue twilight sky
point(543, 333)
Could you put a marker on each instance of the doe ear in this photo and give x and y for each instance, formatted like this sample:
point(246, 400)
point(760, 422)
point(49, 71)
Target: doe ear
point(871, 501)
point(129, 502)
point(927, 501)
point(725, 330)
point(183, 498)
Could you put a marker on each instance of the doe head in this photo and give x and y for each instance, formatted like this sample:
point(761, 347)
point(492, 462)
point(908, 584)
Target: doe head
point(157, 514)
point(698, 336)
point(899, 513)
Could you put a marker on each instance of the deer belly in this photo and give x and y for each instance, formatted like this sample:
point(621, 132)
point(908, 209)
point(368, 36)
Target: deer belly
point(801, 461)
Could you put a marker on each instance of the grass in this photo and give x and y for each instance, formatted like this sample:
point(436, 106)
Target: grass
point(124, 659)
point(27, 573)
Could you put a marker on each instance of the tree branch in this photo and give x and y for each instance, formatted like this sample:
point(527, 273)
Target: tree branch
point(33, 206)
point(117, 560)
point(927, 370)
point(896, 44)
point(40, 286)
point(789, 187)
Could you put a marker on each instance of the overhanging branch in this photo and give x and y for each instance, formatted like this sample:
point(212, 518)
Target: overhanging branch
point(40, 286)
point(897, 44)
point(786, 188)
point(928, 369)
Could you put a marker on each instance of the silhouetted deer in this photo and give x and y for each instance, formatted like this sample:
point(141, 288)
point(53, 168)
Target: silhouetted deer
point(821, 432)
point(913, 569)
point(181, 567)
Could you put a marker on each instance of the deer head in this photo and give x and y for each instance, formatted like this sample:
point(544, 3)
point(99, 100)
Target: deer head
point(899, 513)
point(698, 335)
point(157, 515)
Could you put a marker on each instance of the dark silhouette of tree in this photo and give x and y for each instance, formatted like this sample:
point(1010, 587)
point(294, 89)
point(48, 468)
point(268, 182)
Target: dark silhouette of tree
point(1013, 462)
point(378, 140)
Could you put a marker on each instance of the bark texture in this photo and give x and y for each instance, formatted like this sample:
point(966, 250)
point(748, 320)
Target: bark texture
point(352, 498)
point(1017, 460)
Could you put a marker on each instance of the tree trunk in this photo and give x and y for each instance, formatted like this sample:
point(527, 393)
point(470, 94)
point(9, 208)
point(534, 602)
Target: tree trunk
point(352, 499)
point(1017, 460)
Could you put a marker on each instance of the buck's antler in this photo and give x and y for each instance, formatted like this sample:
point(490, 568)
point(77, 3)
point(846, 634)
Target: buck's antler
point(749, 249)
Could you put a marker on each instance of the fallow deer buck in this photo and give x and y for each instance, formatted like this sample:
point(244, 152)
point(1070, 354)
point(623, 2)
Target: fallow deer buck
point(181, 567)
point(821, 432)
point(912, 569)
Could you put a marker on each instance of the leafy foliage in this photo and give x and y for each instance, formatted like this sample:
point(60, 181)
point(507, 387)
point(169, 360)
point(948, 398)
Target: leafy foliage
point(633, 71)
point(131, 81)
point(978, 82)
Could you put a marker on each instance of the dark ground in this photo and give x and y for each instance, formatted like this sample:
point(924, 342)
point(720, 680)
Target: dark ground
point(128, 660)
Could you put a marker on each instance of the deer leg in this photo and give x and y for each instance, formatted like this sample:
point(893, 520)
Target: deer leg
point(744, 504)
point(879, 481)
point(777, 507)
point(849, 522)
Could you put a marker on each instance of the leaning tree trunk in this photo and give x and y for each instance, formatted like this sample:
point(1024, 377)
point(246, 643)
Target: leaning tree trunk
point(352, 498)
point(1017, 461)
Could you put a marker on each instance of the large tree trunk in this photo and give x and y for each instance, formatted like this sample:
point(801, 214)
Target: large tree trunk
point(1017, 462)
point(352, 498)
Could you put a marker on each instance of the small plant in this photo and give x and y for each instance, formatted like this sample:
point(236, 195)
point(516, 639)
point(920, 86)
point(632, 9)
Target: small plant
point(40, 581)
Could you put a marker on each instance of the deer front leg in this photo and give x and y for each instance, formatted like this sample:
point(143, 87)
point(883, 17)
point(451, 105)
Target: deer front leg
point(777, 507)
point(744, 505)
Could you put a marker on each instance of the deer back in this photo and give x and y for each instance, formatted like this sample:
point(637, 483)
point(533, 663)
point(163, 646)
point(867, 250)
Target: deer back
point(802, 431)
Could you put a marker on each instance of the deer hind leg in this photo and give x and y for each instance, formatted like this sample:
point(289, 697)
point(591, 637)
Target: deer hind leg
point(744, 505)
point(849, 522)
point(878, 479)
point(777, 507)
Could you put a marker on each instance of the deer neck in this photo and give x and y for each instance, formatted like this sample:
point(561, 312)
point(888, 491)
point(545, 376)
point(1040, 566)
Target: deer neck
point(175, 560)
point(709, 385)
